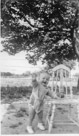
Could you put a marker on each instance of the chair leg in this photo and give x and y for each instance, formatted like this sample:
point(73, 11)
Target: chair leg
point(52, 118)
point(76, 122)
point(78, 111)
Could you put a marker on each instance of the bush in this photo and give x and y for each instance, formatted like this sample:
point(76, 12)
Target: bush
point(15, 92)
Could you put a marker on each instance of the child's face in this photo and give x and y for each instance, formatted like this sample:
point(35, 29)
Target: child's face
point(44, 77)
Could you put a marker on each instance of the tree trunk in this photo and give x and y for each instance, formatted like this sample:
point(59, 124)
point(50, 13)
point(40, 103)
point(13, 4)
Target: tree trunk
point(76, 31)
point(76, 36)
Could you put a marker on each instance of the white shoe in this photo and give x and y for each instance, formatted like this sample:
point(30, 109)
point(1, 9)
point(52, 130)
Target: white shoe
point(29, 129)
point(40, 126)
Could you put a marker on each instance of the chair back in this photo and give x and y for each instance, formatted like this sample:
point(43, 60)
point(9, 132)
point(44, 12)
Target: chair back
point(61, 80)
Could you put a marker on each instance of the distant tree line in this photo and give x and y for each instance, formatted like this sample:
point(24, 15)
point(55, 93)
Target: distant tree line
point(8, 74)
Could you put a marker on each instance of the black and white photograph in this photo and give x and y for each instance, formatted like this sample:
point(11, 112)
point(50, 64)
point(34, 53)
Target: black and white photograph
point(39, 67)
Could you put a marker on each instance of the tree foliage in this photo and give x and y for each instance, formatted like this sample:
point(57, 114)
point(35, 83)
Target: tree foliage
point(42, 28)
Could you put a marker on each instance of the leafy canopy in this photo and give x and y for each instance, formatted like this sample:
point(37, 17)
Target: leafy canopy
point(42, 28)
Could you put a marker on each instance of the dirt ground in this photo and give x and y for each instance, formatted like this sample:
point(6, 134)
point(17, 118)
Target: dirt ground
point(16, 119)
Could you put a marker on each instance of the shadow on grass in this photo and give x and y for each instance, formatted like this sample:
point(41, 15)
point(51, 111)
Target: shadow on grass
point(21, 113)
point(16, 125)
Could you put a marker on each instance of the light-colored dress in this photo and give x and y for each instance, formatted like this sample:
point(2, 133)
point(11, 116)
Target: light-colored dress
point(38, 96)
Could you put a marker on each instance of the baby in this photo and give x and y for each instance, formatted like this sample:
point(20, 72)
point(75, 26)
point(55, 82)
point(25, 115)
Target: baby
point(38, 95)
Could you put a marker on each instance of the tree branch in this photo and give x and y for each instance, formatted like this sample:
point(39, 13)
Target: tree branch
point(37, 27)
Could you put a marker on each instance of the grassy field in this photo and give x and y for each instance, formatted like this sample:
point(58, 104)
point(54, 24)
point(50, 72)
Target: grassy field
point(26, 81)
point(18, 87)
point(18, 81)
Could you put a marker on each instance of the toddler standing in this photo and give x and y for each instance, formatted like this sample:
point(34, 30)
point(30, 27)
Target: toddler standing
point(38, 95)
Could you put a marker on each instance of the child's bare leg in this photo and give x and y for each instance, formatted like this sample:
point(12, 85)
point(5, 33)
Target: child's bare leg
point(40, 116)
point(31, 116)
point(40, 124)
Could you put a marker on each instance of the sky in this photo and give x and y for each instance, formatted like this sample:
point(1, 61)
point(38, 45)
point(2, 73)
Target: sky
point(18, 64)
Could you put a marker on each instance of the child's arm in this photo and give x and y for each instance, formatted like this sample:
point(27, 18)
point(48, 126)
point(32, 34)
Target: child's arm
point(31, 101)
